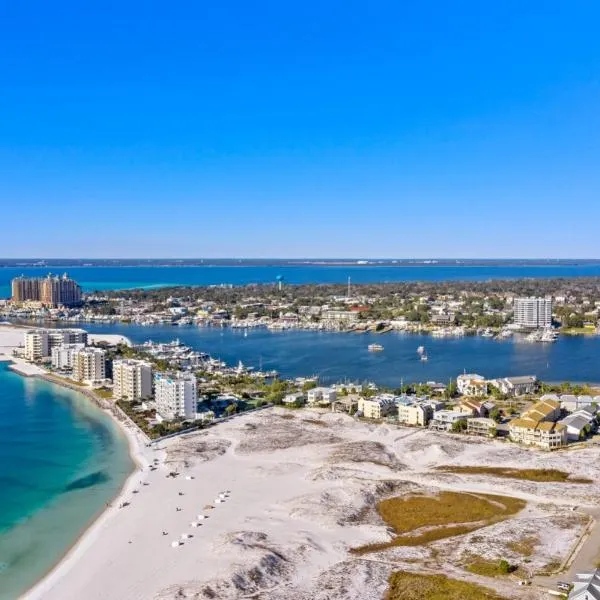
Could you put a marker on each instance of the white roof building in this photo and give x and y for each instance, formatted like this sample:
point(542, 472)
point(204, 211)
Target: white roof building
point(586, 586)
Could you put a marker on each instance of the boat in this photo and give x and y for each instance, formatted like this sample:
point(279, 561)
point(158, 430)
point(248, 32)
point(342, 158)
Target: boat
point(487, 333)
point(549, 336)
point(424, 358)
point(375, 348)
point(421, 349)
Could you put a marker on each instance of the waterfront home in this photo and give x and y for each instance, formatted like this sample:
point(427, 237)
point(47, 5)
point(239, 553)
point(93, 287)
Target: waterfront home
point(579, 423)
point(346, 404)
point(586, 586)
point(294, 399)
point(516, 386)
point(348, 388)
point(476, 408)
point(481, 426)
point(414, 414)
point(444, 419)
point(544, 434)
point(379, 406)
point(572, 403)
point(321, 395)
point(471, 384)
point(205, 416)
point(543, 410)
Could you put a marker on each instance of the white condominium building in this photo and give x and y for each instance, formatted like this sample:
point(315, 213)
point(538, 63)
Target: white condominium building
point(40, 342)
point(63, 357)
point(132, 379)
point(176, 395)
point(36, 344)
point(533, 312)
point(89, 365)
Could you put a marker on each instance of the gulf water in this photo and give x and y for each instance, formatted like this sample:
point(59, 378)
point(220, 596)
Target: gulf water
point(61, 460)
point(113, 278)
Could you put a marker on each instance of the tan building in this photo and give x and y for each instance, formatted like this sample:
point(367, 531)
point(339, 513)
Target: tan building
point(378, 406)
point(25, 289)
point(89, 365)
point(132, 379)
point(414, 414)
point(51, 291)
point(536, 426)
point(481, 426)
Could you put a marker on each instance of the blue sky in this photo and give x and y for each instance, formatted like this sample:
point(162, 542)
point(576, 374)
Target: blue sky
point(300, 129)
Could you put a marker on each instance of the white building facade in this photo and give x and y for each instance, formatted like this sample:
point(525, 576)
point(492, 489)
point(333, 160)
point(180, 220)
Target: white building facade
point(63, 357)
point(533, 312)
point(176, 395)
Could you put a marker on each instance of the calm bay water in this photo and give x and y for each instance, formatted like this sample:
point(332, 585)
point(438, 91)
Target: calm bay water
point(337, 356)
point(61, 460)
point(114, 278)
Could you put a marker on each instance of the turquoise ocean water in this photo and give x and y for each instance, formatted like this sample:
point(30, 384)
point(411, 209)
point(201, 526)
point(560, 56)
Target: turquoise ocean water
point(61, 460)
point(113, 278)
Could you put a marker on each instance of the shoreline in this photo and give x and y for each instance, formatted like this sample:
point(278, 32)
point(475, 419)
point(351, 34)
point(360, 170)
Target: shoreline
point(135, 447)
point(89, 533)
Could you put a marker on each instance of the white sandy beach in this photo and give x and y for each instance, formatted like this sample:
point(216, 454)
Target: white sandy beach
point(298, 491)
point(297, 486)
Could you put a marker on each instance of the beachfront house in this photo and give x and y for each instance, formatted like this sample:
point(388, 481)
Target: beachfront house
point(481, 426)
point(476, 408)
point(471, 384)
point(579, 424)
point(516, 386)
point(321, 395)
point(378, 407)
point(294, 399)
point(346, 404)
point(537, 427)
point(443, 420)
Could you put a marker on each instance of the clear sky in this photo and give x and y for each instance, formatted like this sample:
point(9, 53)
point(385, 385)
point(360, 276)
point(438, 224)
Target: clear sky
point(300, 129)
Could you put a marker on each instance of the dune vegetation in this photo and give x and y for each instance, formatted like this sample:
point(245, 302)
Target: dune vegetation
point(420, 519)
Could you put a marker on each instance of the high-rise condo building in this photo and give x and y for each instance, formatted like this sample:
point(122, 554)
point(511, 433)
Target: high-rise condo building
point(89, 365)
point(51, 291)
point(39, 343)
point(176, 395)
point(533, 312)
point(63, 357)
point(132, 379)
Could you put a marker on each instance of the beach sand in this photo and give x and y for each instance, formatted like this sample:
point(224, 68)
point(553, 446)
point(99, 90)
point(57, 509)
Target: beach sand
point(299, 486)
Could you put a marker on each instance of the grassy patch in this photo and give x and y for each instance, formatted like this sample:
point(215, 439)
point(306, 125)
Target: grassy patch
point(104, 393)
point(418, 520)
point(489, 568)
point(526, 546)
point(287, 416)
point(411, 586)
point(540, 475)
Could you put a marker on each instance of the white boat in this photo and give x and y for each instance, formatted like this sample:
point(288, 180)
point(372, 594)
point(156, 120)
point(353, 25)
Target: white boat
point(487, 333)
point(424, 358)
point(375, 348)
point(421, 349)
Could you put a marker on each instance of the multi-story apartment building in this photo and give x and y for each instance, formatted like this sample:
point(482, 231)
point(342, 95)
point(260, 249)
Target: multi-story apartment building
point(50, 291)
point(176, 395)
point(533, 312)
point(414, 414)
point(63, 357)
point(378, 407)
point(39, 343)
point(536, 426)
point(132, 379)
point(89, 365)
point(36, 344)
point(26, 289)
